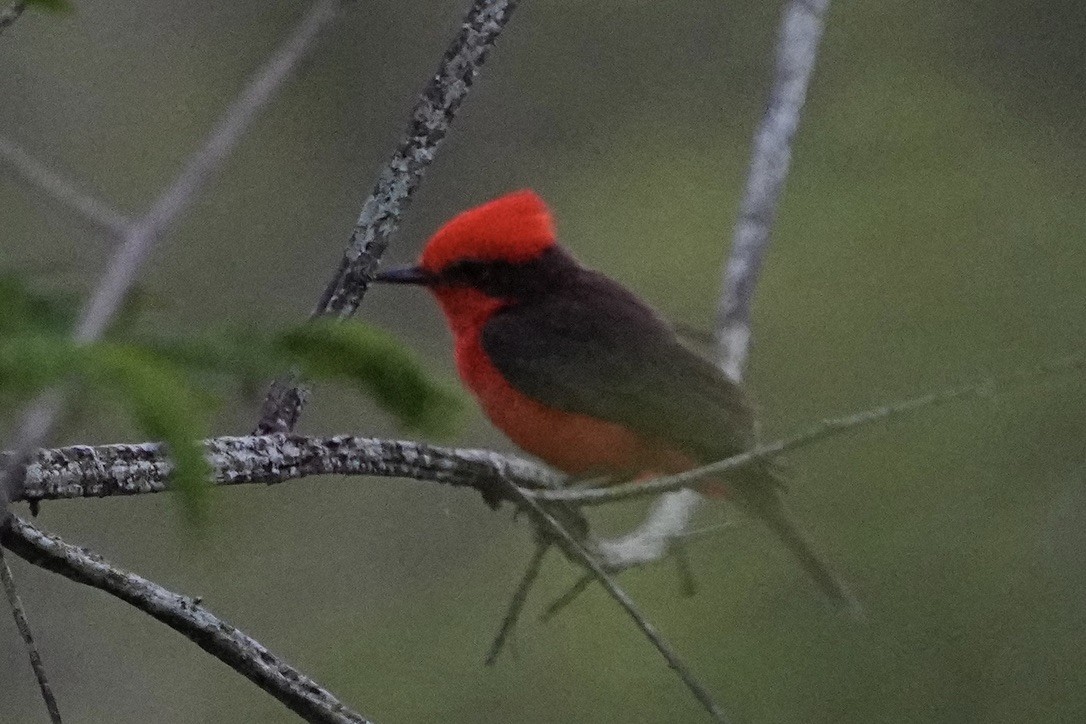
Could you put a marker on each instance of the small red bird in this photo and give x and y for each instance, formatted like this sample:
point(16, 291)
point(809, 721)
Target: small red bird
point(578, 371)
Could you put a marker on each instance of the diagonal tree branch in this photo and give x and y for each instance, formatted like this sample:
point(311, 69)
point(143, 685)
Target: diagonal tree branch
point(21, 622)
point(186, 615)
point(430, 121)
point(797, 51)
point(84, 205)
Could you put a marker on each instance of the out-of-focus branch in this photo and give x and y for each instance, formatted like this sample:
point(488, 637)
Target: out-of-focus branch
point(82, 471)
point(381, 213)
point(141, 236)
point(11, 13)
point(37, 174)
point(186, 615)
point(797, 50)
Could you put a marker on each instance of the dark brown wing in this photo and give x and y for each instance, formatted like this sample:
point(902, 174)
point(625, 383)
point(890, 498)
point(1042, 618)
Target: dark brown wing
point(591, 347)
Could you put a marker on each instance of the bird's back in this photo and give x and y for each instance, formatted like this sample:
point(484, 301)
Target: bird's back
point(590, 347)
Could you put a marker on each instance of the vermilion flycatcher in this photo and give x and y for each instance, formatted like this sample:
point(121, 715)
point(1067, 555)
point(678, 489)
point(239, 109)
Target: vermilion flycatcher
point(578, 371)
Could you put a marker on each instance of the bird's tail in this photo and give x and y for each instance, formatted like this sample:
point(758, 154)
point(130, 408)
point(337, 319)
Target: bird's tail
point(773, 514)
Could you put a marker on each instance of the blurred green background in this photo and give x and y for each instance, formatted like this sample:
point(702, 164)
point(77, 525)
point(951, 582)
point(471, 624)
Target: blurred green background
point(932, 231)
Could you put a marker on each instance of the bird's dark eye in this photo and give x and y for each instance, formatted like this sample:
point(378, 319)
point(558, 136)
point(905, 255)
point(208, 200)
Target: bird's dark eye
point(469, 273)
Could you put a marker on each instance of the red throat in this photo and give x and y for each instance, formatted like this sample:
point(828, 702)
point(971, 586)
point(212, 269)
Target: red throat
point(466, 309)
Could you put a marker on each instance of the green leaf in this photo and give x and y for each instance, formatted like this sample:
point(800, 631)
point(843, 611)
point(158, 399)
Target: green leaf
point(242, 355)
point(156, 393)
point(378, 364)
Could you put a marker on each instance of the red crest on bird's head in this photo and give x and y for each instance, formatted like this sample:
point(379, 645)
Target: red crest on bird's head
point(513, 228)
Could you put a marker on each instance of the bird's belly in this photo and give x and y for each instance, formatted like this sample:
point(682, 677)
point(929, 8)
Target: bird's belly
point(576, 444)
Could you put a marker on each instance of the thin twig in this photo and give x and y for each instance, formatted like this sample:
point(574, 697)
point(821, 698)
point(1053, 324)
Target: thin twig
point(88, 207)
point(23, 624)
point(186, 615)
point(797, 50)
point(623, 562)
point(12, 13)
point(574, 549)
point(381, 213)
point(822, 430)
point(141, 236)
point(516, 604)
point(559, 604)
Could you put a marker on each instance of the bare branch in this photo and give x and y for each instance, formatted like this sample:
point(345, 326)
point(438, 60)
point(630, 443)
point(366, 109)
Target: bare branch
point(797, 50)
point(575, 550)
point(25, 631)
point(141, 235)
point(822, 430)
point(240, 652)
point(82, 471)
point(430, 121)
point(666, 524)
point(516, 605)
point(11, 13)
point(89, 208)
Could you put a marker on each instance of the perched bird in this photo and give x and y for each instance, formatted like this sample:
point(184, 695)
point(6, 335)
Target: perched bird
point(579, 372)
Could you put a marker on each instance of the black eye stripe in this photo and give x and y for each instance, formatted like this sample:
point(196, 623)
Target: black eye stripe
point(508, 279)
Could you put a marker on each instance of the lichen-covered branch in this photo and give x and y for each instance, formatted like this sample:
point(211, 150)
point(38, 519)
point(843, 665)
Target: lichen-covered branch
point(82, 471)
point(186, 615)
point(381, 213)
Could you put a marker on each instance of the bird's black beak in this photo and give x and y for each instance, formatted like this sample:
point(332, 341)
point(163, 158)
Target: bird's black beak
point(405, 275)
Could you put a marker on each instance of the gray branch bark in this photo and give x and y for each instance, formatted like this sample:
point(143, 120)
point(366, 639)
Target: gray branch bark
point(82, 471)
point(430, 121)
point(186, 615)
